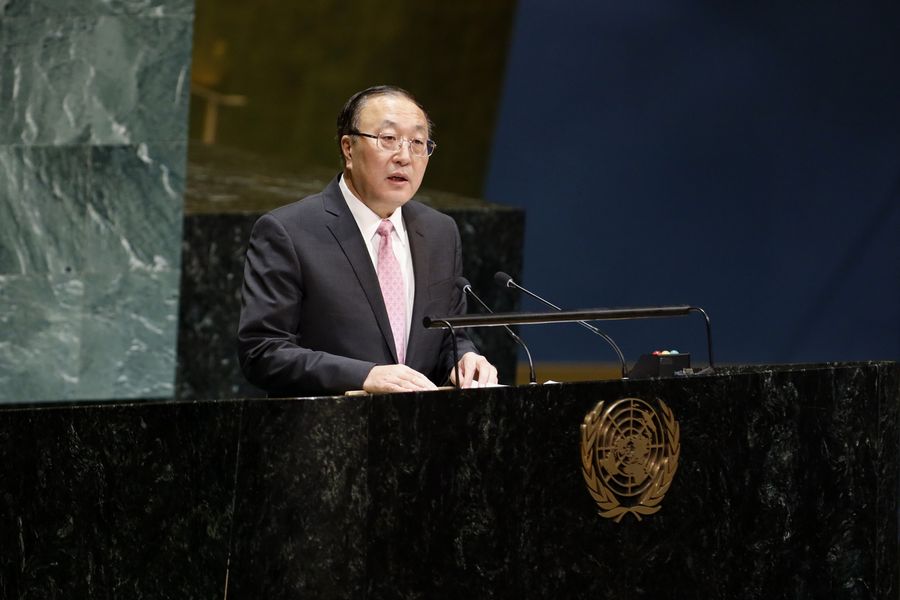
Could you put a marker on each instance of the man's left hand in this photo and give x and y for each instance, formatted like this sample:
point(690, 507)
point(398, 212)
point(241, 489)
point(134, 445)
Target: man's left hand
point(475, 371)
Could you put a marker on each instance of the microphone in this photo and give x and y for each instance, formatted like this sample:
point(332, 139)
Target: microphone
point(505, 280)
point(466, 287)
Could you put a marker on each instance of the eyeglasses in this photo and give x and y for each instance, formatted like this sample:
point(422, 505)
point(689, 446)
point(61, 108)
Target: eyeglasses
point(393, 143)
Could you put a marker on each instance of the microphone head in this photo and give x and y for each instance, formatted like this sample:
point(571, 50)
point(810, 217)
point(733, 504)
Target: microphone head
point(462, 283)
point(502, 279)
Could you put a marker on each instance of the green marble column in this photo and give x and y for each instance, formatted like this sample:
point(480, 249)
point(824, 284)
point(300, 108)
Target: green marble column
point(93, 113)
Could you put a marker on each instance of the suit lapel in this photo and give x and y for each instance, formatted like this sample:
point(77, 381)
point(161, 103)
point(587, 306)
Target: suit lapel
point(416, 233)
point(343, 227)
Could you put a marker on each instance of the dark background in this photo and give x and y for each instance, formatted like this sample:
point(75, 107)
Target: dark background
point(298, 62)
point(743, 157)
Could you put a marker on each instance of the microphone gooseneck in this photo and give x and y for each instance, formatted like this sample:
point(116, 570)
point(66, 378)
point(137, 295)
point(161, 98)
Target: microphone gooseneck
point(455, 348)
point(505, 280)
point(463, 284)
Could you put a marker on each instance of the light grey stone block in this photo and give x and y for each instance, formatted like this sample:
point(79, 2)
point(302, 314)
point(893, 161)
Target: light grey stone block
point(147, 8)
point(94, 80)
point(42, 209)
point(40, 336)
point(15, 8)
point(135, 207)
point(128, 334)
point(93, 122)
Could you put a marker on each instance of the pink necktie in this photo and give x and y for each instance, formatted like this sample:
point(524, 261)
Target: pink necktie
point(392, 288)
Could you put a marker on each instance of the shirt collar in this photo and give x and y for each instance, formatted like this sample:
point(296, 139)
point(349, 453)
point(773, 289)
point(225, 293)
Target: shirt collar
point(366, 219)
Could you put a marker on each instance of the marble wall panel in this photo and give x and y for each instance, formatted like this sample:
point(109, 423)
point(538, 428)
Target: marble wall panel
point(132, 275)
point(147, 8)
point(110, 229)
point(40, 334)
point(80, 80)
point(134, 209)
point(94, 97)
point(15, 8)
point(42, 217)
point(128, 335)
point(3, 47)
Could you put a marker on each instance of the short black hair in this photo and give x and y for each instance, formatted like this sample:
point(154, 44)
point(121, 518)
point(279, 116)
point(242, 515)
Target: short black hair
point(348, 119)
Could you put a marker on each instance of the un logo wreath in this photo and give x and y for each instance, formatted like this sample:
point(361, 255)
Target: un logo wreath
point(629, 450)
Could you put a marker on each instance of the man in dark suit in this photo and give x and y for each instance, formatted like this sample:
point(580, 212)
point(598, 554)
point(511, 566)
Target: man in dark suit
point(336, 285)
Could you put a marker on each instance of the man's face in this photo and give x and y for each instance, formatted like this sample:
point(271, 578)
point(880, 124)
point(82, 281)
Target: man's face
point(385, 180)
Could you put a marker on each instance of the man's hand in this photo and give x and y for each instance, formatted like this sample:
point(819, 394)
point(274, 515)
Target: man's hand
point(396, 378)
point(474, 367)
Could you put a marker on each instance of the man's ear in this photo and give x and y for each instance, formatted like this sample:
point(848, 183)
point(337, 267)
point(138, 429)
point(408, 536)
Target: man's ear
point(347, 150)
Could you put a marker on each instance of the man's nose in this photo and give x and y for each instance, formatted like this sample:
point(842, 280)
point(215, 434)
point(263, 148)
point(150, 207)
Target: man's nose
point(404, 152)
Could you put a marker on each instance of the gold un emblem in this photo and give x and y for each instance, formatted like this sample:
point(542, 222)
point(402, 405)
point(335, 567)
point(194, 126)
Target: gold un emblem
point(629, 455)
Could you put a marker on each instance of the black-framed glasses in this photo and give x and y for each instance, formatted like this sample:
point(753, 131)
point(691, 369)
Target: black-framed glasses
point(393, 143)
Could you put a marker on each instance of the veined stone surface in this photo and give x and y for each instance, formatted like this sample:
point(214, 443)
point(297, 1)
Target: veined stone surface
point(40, 336)
point(786, 487)
point(44, 193)
point(93, 98)
point(94, 80)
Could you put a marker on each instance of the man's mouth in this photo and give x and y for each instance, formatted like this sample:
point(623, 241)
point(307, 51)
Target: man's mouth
point(397, 178)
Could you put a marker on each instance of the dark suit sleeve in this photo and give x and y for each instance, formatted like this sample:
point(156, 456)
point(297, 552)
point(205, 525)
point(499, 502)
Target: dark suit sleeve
point(268, 347)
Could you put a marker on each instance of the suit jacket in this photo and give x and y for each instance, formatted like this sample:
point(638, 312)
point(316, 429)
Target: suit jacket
point(313, 320)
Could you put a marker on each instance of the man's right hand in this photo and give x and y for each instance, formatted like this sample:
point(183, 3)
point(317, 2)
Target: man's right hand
point(396, 378)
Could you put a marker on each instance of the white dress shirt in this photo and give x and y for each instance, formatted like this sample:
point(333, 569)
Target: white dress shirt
point(368, 222)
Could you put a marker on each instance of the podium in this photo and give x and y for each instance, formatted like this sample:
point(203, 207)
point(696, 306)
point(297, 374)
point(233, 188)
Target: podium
point(786, 487)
